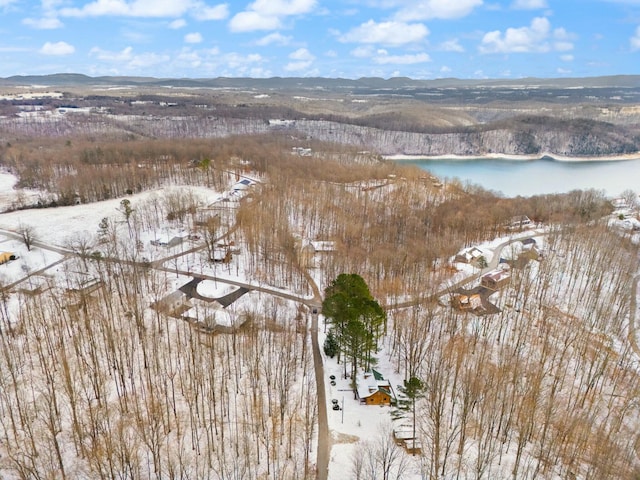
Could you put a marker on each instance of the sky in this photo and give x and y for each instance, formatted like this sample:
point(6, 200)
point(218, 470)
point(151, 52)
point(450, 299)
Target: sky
point(421, 39)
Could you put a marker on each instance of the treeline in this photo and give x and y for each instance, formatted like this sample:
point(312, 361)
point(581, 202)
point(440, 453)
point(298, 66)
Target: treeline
point(84, 170)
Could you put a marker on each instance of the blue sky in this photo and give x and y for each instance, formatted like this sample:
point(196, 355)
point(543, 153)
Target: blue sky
point(421, 39)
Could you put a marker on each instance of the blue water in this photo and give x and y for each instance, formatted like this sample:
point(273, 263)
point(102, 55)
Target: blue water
point(532, 177)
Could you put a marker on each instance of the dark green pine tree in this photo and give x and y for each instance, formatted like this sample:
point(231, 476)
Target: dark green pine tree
point(331, 347)
point(357, 319)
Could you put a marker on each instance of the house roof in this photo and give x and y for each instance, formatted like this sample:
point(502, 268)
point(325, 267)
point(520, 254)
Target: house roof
point(471, 253)
point(497, 275)
point(369, 383)
point(323, 245)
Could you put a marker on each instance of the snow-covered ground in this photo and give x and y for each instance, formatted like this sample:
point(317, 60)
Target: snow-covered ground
point(10, 197)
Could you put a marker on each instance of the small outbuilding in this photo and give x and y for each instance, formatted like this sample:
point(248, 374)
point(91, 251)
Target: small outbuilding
point(6, 257)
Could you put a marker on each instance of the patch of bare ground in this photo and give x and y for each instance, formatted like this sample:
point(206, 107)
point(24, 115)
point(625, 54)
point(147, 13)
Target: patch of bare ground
point(337, 437)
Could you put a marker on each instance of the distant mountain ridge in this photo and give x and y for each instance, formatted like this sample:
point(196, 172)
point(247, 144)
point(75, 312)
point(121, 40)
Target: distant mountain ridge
point(78, 79)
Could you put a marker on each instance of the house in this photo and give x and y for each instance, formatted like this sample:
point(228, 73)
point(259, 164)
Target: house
point(471, 255)
point(86, 285)
point(323, 246)
point(496, 279)
point(210, 315)
point(620, 203)
point(530, 250)
point(467, 302)
point(174, 302)
point(310, 248)
point(6, 257)
point(221, 255)
point(520, 222)
point(302, 151)
point(373, 389)
point(243, 184)
point(169, 239)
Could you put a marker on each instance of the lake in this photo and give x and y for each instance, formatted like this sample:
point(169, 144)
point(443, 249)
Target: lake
point(532, 177)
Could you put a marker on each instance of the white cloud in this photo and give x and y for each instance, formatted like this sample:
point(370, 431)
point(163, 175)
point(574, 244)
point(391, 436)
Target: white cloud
point(194, 37)
point(147, 8)
point(203, 61)
point(442, 9)
point(451, 46)
point(204, 12)
point(178, 23)
point(386, 33)
point(563, 46)
point(123, 56)
point(275, 38)
point(46, 23)
point(635, 40)
point(147, 60)
point(408, 59)
point(364, 51)
point(445, 69)
point(566, 58)
point(529, 4)
point(251, 21)
point(297, 66)
point(302, 54)
point(283, 7)
point(537, 37)
point(237, 61)
point(189, 58)
point(268, 14)
point(303, 59)
point(127, 60)
point(6, 3)
point(58, 48)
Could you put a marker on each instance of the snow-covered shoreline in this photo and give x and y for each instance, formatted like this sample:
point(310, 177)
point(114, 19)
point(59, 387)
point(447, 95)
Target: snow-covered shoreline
point(500, 156)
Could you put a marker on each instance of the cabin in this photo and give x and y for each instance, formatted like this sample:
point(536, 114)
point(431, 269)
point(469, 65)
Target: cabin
point(467, 302)
point(373, 389)
point(496, 279)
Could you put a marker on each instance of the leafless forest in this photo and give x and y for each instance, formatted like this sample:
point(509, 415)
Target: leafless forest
point(100, 385)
